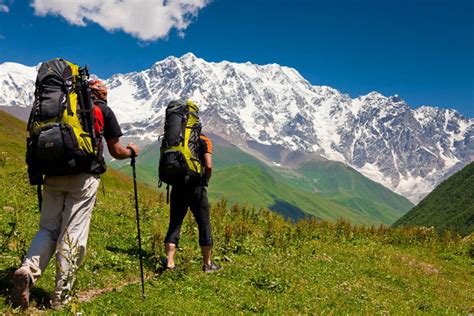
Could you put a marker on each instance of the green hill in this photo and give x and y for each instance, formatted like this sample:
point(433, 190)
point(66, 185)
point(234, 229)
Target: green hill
point(271, 266)
point(321, 188)
point(345, 186)
point(449, 206)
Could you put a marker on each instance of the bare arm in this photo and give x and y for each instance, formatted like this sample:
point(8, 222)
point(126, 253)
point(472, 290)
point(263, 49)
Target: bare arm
point(208, 165)
point(118, 151)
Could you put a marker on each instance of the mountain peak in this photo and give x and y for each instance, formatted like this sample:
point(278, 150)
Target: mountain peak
point(396, 98)
point(374, 95)
point(10, 67)
point(188, 56)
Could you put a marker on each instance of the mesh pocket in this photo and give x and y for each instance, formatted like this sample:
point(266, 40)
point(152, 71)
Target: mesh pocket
point(193, 142)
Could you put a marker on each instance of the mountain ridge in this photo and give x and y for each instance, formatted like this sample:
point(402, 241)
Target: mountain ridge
point(407, 150)
point(450, 206)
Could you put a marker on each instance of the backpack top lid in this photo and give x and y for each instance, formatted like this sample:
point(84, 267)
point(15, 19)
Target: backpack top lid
point(175, 104)
point(52, 70)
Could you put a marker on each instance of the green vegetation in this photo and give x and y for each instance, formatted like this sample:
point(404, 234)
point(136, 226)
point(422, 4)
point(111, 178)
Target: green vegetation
point(271, 265)
point(324, 189)
point(343, 184)
point(449, 207)
point(248, 183)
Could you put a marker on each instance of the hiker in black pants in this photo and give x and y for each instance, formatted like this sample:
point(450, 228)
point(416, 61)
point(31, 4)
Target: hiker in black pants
point(194, 197)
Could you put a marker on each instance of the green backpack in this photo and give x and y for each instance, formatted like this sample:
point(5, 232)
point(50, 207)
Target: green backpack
point(179, 153)
point(61, 125)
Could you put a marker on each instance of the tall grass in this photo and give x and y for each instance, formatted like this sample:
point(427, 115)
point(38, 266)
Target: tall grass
point(243, 229)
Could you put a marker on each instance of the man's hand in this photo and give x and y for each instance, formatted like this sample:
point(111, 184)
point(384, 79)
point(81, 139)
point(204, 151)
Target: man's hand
point(135, 148)
point(118, 151)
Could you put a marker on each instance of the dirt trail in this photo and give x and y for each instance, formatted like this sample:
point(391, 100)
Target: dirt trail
point(423, 266)
point(86, 296)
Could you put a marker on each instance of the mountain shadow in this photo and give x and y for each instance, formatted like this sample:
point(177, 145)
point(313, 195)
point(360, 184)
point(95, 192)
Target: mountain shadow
point(288, 210)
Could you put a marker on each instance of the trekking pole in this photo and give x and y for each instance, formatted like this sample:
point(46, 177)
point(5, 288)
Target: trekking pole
point(132, 163)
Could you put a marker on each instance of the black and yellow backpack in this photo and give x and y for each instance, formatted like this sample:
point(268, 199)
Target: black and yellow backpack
point(179, 153)
point(61, 125)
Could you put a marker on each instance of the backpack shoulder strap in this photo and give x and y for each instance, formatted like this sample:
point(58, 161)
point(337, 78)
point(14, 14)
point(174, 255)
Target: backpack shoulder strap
point(39, 192)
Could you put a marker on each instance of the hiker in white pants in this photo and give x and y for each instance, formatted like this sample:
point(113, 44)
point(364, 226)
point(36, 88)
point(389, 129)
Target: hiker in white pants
point(64, 227)
point(66, 212)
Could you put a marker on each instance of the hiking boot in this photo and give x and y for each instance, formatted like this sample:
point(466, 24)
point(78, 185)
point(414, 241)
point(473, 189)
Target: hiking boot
point(21, 288)
point(58, 303)
point(60, 300)
point(164, 264)
point(211, 267)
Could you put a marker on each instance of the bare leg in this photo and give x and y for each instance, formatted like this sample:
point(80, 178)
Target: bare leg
point(170, 249)
point(206, 254)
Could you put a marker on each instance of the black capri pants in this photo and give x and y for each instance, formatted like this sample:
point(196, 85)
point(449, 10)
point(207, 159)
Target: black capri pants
point(194, 197)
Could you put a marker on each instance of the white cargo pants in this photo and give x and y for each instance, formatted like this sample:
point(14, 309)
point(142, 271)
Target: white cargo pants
point(64, 227)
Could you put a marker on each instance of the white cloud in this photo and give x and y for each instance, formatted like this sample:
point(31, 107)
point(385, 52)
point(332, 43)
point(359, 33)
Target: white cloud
point(147, 20)
point(4, 8)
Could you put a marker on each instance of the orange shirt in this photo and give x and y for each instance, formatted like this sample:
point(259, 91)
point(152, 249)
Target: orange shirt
point(205, 145)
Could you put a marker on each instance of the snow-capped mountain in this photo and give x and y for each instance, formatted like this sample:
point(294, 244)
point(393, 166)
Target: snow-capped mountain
point(16, 88)
point(17, 84)
point(408, 150)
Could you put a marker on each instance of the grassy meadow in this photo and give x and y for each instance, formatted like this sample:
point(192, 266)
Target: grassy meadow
point(271, 265)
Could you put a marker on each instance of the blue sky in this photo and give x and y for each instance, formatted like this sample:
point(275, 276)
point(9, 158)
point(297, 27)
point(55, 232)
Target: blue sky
point(422, 50)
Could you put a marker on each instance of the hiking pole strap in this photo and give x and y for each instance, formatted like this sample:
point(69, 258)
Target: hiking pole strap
point(39, 192)
point(132, 162)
